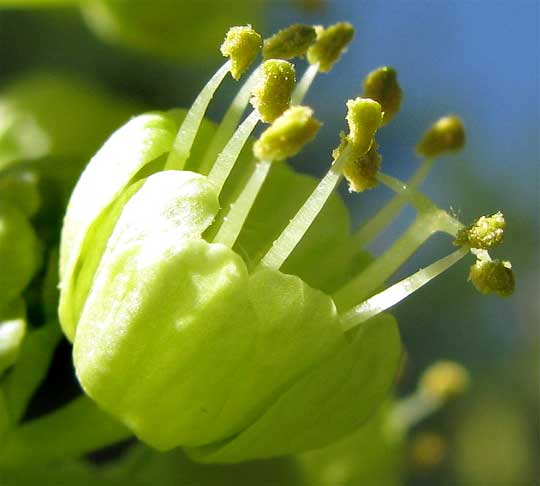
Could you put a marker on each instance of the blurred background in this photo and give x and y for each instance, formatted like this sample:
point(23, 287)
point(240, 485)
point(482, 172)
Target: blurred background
point(478, 59)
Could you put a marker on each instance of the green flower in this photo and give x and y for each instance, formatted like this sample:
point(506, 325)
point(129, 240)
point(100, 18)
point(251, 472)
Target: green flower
point(220, 303)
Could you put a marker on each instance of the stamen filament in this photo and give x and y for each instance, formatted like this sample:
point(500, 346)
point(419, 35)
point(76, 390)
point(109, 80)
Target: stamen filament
point(304, 84)
point(364, 235)
point(233, 221)
point(240, 208)
point(228, 124)
point(188, 130)
point(226, 159)
point(399, 291)
point(297, 227)
point(375, 275)
point(412, 410)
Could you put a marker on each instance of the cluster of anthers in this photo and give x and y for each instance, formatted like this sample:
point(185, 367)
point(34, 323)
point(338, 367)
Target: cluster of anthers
point(276, 100)
point(213, 311)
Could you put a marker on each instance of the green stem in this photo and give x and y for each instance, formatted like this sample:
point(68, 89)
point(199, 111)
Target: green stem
point(188, 129)
point(227, 158)
point(78, 428)
point(399, 291)
point(287, 241)
point(30, 369)
point(38, 3)
point(228, 124)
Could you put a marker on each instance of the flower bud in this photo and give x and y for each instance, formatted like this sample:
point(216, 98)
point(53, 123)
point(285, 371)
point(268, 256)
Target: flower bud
point(493, 277)
point(19, 188)
point(485, 233)
point(444, 380)
point(287, 135)
point(185, 344)
point(293, 41)
point(445, 135)
point(331, 43)
point(382, 86)
point(20, 252)
point(242, 45)
point(272, 93)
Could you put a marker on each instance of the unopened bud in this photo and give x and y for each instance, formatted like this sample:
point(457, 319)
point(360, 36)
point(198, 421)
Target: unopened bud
point(444, 380)
point(382, 86)
point(485, 233)
point(330, 44)
point(272, 93)
point(287, 135)
point(493, 277)
point(242, 45)
point(445, 135)
point(293, 41)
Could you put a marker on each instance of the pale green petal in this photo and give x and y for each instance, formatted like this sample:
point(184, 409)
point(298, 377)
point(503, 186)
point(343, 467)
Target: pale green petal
point(326, 404)
point(176, 339)
point(109, 173)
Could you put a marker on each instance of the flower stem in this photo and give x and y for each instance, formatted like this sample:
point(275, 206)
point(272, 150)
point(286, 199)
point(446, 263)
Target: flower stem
point(226, 159)
point(188, 130)
point(284, 245)
point(78, 428)
point(30, 368)
point(399, 291)
point(228, 124)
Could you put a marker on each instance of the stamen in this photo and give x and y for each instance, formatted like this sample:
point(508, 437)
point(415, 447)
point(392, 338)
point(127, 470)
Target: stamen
point(272, 93)
point(242, 45)
point(439, 383)
point(228, 124)
point(287, 135)
point(330, 44)
point(382, 86)
point(364, 235)
point(293, 233)
point(188, 130)
point(231, 223)
point(240, 208)
point(304, 84)
point(493, 277)
point(293, 41)
point(486, 232)
point(446, 135)
point(226, 159)
point(399, 291)
point(430, 219)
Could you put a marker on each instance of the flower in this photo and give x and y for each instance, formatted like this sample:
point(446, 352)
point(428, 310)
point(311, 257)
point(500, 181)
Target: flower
point(209, 305)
